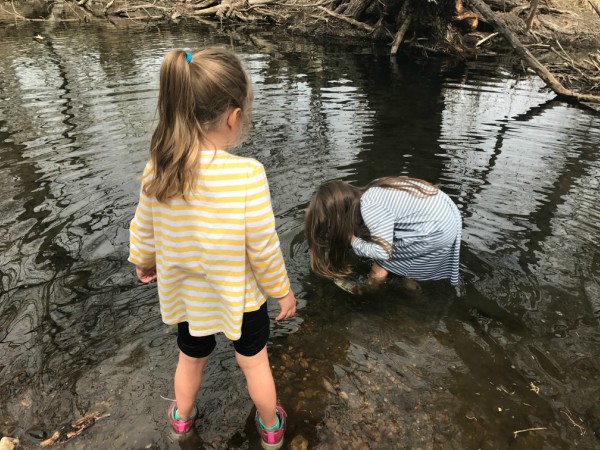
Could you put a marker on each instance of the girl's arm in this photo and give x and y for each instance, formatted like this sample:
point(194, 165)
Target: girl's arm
point(380, 222)
point(145, 275)
point(262, 242)
point(141, 240)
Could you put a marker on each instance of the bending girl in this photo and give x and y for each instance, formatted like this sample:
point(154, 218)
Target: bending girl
point(405, 225)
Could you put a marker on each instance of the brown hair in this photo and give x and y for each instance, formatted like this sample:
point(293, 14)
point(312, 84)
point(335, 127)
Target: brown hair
point(192, 97)
point(333, 217)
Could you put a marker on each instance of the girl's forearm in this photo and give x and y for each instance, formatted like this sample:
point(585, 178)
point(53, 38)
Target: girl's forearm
point(369, 249)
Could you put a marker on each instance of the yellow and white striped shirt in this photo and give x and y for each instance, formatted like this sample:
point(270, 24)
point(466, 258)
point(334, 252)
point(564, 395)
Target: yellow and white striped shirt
point(217, 253)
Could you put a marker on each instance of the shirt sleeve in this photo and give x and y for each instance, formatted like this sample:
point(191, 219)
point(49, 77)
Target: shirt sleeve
point(142, 252)
point(262, 243)
point(380, 222)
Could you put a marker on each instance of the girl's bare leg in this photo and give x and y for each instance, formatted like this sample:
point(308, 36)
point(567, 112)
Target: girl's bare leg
point(409, 283)
point(377, 275)
point(188, 378)
point(260, 384)
point(410, 287)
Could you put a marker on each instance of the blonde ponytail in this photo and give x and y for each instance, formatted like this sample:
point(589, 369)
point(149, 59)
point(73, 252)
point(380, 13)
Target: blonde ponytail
point(192, 97)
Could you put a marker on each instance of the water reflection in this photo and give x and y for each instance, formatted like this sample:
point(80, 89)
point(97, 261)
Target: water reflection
point(453, 369)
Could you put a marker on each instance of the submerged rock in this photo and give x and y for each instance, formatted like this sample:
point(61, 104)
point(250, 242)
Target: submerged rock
point(8, 443)
point(299, 443)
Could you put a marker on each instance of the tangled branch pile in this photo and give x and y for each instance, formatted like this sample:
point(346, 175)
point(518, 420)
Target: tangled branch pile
point(564, 36)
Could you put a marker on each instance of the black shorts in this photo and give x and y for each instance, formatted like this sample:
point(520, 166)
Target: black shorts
point(255, 334)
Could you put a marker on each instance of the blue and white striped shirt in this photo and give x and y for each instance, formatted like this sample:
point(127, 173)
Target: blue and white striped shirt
point(424, 233)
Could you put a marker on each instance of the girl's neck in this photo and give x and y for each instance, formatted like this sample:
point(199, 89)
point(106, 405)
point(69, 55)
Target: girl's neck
point(213, 142)
point(223, 135)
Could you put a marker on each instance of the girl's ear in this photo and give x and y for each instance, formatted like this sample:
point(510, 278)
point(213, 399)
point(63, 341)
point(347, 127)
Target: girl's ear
point(233, 117)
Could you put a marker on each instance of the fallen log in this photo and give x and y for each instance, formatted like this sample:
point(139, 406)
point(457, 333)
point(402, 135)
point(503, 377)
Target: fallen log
point(550, 80)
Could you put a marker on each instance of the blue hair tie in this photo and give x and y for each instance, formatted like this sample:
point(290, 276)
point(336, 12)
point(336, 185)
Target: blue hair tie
point(188, 57)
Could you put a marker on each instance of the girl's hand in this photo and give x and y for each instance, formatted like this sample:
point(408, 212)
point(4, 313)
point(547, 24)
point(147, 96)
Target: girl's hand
point(287, 305)
point(146, 275)
point(378, 273)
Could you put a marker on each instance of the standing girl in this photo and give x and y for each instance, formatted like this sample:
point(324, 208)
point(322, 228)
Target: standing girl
point(405, 225)
point(204, 228)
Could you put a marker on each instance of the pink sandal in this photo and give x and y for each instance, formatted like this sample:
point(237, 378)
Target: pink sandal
point(272, 440)
point(181, 426)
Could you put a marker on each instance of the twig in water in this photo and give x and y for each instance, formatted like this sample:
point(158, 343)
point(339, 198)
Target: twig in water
point(581, 429)
point(503, 389)
point(75, 428)
point(515, 433)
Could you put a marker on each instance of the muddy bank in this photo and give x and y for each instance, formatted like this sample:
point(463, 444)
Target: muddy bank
point(564, 36)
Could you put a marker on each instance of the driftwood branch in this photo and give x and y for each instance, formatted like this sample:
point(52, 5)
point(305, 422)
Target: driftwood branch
point(516, 433)
point(400, 34)
point(227, 8)
point(596, 8)
point(208, 11)
point(126, 11)
point(204, 4)
point(485, 39)
point(532, 8)
point(356, 23)
point(528, 57)
point(404, 18)
point(75, 428)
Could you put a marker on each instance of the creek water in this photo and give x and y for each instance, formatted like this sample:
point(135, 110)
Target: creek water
point(513, 347)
